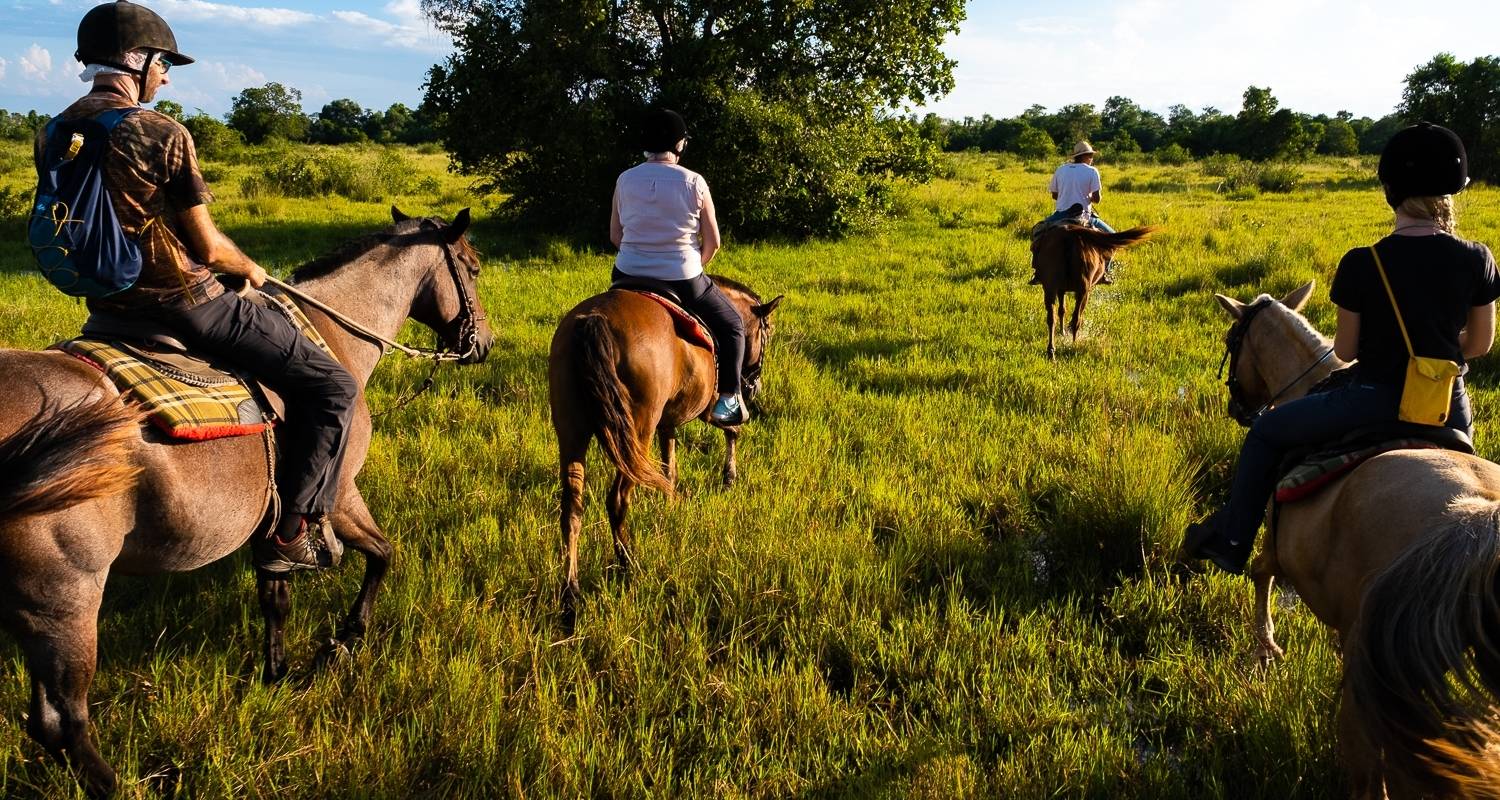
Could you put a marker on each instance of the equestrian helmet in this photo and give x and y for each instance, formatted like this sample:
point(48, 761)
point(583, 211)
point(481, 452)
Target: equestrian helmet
point(111, 30)
point(661, 130)
point(1425, 160)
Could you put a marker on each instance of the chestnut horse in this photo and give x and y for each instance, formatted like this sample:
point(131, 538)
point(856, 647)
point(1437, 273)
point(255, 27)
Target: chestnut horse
point(1401, 557)
point(619, 371)
point(86, 491)
point(1071, 258)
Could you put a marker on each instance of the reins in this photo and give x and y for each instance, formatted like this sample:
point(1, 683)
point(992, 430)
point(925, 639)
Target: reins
point(1232, 346)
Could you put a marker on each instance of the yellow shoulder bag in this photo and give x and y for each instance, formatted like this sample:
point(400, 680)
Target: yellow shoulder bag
point(1428, 390)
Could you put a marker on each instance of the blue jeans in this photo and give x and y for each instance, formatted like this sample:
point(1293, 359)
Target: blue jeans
point(1094, 220)
point(1311, 420)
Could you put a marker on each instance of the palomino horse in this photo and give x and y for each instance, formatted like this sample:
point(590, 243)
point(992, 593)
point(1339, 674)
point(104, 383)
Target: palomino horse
point(1071, 258)
point(86, 491)
point(1400, 558)
point(619, 371)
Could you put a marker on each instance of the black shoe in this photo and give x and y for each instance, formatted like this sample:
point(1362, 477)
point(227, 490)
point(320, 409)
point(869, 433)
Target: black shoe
point(277, 557)
point(1036, 280)
point(1206, 540)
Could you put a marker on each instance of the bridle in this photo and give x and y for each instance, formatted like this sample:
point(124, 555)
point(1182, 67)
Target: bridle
point(1239, 409)
point(470, 317)
point(750, 376)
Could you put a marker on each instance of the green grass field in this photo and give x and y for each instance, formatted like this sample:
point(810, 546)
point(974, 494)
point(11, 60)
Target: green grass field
point(947, 569)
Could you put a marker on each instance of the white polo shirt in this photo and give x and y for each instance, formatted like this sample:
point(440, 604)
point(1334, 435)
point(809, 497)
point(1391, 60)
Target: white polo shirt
point(1074, 182)
point(659, 205)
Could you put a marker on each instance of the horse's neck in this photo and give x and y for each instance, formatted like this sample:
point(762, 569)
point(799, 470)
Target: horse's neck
point(1293, 356)
point(372, 292)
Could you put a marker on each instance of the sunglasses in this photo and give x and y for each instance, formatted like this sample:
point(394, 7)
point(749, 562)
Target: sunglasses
point(166, 66)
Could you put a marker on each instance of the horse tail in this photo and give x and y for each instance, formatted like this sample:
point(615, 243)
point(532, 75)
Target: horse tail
point(1099, 240)
point(67, 455)
point(615, 425)
point(1423, 664)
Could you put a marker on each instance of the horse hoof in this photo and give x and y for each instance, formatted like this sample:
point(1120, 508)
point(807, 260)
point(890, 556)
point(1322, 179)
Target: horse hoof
point(273, 674)
point(335, 651)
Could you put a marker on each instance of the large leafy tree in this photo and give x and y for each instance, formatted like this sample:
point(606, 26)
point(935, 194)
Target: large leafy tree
point(789, 103)
point(270, 111)
point(1464, 97)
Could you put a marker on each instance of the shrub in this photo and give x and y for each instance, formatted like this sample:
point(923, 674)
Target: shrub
point(300, 173)
point(1173, 154)
point(15, 202)
point(213, 138)
point(1221, 165)
point(1281, 178)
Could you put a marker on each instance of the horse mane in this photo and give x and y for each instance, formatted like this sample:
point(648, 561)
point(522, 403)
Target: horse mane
point(345, 253)
point(1304, 330)
point(730, 283)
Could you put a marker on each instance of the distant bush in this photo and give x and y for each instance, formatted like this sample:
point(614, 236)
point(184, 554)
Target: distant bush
point(301, 173)
point(1280, 178)
point(212, 138)
point(15, 202)
point(1222, 165)
point(1173, 154)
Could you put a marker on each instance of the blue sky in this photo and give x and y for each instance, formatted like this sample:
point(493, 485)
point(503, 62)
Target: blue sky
point(1317, 56)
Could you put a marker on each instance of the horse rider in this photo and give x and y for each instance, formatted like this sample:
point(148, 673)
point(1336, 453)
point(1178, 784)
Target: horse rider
point(151, 171)
point(1446, 289)
point(1075, 188)
point(662, 221)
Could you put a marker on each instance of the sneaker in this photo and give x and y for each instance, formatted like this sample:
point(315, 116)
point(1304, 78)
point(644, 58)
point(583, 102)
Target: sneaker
point(273, 555)
point(1206, 540)
point(729, 411)
point(1108, 278)
point(1036, 280)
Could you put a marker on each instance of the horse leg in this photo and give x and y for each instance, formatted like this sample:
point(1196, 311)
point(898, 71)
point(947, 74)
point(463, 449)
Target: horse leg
point(666, 439)
point(1361, 761)
point(356, 527)
point(1051, 327)
point(1080, 299)
point(275, 592)
point(731, 447)
point(571, 475)
point(1266, 649)
point(59, 636)
point(619, 506)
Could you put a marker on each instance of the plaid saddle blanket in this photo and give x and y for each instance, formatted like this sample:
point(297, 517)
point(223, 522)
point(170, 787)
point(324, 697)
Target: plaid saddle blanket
point(185, 397)
point(1320, 469)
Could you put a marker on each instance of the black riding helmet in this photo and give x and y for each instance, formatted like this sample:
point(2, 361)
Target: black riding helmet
point(111, 30)
point(1425, 160)
point(661, 130)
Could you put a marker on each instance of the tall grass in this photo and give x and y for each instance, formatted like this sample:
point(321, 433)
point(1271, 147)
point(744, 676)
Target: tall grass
point(946, 570)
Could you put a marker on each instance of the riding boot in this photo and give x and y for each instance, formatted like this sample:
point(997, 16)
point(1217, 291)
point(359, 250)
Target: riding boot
point(1209, 540)
point(1108, 278)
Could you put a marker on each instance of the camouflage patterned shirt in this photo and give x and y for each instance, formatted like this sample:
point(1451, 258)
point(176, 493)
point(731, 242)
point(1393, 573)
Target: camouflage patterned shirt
point(151, 170)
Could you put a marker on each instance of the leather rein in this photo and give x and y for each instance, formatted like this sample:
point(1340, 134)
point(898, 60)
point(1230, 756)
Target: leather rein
point(1239, 409)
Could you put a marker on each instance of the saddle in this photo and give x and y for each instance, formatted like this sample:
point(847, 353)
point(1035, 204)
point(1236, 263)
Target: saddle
point(688, 325)
point(1075, 216)
point(184, 396)
point(1307, 470)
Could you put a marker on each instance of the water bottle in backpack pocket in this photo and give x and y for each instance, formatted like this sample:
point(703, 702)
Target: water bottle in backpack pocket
point(73, 231)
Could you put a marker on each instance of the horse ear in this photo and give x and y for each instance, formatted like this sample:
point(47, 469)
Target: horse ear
point(1235, 308)
point(765, 310)
point(397, 215)
point(1298, 297)
point(460, 224)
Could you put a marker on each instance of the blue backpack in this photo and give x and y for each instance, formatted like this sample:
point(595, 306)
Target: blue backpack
point(74, 233)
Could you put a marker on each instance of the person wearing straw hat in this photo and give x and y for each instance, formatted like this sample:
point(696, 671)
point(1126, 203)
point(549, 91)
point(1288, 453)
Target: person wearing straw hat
point(1075, 188)
point(150, 170)
point(1419, 292)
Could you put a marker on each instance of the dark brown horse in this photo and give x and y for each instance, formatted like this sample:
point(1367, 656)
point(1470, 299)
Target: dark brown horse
point(86, 491)
point(619, 371)
point(1071, 258)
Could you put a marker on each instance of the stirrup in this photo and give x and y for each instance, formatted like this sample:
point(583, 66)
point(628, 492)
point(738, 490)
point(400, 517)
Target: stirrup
point(729, 411)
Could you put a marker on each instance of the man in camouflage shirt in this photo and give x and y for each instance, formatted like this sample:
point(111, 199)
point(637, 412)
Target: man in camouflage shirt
point(151, 170)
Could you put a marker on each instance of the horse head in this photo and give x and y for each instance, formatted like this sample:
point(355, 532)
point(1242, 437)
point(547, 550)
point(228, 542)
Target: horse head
point(758, 330)
point(449, 299)
point(1272, 352)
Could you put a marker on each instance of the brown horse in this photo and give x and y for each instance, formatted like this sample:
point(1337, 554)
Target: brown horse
point(1071, 258)
point(86, 491)
point(619, 371)
point(1401, 557)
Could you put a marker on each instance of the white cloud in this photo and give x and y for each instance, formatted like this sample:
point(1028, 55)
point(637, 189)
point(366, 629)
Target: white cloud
point(3, 64)
point(224, 76)
point(410, 31)
point(36, 62)
point(200, 10)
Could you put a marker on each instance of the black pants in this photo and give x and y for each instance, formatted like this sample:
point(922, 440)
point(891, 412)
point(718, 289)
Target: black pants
point(703, 297)
point(318, 391)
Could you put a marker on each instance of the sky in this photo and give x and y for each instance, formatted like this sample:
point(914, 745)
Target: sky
point(1317, 56)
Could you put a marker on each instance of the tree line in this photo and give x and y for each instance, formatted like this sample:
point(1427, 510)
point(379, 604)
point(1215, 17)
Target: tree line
point(274, 112)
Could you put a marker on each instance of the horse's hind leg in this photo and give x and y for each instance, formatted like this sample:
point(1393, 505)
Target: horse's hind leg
point(666, 440)
point(1052, 316)
point(571, 455)
point(275, 593)
point(619, 507)
point(58, 636)
point(1079, 301)
point(356, 527)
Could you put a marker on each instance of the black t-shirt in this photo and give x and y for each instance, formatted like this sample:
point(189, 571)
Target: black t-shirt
point(1436, 279)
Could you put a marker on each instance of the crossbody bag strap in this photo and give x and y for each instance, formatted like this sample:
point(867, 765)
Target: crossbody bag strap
point(1379, 267)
